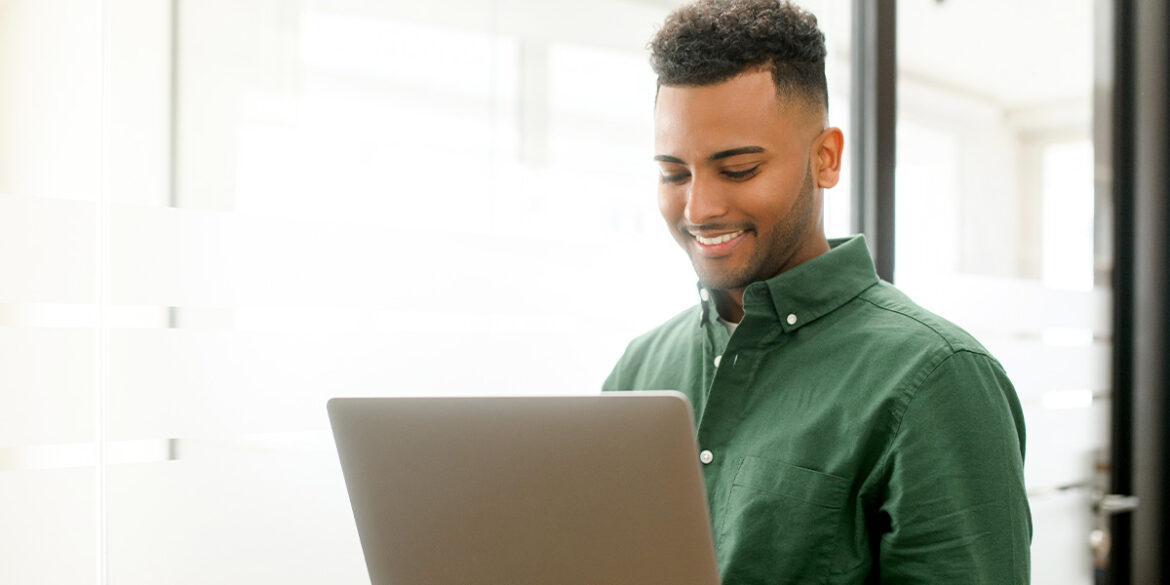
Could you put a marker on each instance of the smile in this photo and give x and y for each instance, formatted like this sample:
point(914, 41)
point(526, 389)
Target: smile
point(717, 246)
point(716, 240)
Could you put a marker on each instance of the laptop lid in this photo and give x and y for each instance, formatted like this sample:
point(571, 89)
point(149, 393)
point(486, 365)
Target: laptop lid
point(580, 490)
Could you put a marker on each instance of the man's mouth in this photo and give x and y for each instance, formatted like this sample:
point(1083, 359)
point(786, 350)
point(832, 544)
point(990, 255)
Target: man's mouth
point(716, 245)
point(716, 240)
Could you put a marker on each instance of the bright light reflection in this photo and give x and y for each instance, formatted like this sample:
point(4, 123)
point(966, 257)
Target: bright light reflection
point(1068, 216)
point(1066, 337)
point(1067, 399)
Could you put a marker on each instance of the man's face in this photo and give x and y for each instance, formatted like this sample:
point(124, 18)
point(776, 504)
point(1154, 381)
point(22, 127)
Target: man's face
point(740, 187)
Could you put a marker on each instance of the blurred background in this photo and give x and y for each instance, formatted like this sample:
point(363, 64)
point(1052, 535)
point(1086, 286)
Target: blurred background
point(217, 214)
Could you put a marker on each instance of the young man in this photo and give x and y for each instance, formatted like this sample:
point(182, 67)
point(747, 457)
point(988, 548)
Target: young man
point(847, 435)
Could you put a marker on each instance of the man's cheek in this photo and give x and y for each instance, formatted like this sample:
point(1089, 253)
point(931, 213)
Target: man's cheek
point(669, 206)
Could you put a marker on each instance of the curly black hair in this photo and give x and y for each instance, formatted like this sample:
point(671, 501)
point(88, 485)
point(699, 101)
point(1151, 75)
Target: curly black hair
point(711, 41)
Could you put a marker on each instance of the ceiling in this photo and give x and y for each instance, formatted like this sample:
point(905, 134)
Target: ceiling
point(1015, 53)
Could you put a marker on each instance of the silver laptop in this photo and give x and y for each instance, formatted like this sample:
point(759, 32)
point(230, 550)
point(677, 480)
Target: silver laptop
point(588, 490)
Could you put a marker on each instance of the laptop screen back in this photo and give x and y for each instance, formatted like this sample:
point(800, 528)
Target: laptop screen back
point(526, 490)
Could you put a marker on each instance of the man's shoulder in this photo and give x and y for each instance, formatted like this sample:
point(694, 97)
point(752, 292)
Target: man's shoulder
point(891, 312)
point(922, 354)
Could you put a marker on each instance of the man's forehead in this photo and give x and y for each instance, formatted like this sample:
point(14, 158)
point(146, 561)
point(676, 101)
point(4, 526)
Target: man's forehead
point(743, 110)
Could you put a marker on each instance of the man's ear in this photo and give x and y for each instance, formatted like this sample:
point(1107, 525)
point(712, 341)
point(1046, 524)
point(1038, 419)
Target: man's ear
point(826, 157)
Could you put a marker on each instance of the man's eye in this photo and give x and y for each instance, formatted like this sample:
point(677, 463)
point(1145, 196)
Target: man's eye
point(674, 178)
point(740, 175)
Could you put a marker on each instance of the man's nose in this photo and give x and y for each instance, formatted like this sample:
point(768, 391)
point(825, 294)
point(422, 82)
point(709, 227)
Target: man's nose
point(705, 200)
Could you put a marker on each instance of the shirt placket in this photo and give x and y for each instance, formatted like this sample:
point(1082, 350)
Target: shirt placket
point(732, 362)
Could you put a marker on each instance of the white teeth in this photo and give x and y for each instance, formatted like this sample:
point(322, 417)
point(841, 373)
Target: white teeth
point(718, 239)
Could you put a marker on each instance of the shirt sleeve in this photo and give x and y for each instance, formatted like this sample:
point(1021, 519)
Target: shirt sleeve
point(954, 504)
point(611, 382)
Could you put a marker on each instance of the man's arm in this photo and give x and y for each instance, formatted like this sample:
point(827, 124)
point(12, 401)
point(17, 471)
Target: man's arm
point(954, 495)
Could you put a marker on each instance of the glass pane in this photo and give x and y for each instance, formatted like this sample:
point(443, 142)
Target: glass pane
point(47, 377)
point(255, 511)
point(47, 250)
point(50, 169)
point(50, 524)
point(50, 114)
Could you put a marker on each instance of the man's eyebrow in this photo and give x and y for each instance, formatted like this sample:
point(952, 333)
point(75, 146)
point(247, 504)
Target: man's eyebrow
point(714, 157)
point(736, 151)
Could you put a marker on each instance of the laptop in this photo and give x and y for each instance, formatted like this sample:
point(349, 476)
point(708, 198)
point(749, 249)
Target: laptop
point(564, 490)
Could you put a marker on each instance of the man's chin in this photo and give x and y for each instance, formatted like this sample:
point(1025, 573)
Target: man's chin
point(721, 280)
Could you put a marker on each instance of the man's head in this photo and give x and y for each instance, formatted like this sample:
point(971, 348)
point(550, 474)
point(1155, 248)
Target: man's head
point(711, 41)
point(740, 137)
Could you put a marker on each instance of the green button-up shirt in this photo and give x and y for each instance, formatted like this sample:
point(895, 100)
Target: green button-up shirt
point(848, 435)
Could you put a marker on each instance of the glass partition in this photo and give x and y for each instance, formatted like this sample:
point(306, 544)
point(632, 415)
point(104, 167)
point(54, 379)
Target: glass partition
point(50, 167)
point(216, 215)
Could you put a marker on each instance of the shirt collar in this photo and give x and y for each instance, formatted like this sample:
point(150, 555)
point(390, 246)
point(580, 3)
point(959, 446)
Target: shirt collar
point(808, 291)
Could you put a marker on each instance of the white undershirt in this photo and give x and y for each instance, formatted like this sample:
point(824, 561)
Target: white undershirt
point(729, 325)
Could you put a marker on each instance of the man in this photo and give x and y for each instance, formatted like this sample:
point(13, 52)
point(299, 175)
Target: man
point(846, 434)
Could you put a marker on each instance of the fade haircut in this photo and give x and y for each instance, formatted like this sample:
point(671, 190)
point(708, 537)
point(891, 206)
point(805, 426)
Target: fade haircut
point(711, 41)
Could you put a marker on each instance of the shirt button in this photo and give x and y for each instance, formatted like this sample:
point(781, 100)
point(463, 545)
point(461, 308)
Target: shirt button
point(706, 457)
point(703, 294)
point(718, 359)
point(792, 318)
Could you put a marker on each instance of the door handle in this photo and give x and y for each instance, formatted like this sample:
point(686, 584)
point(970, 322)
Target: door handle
point(1110, 504)
point(1100, 540)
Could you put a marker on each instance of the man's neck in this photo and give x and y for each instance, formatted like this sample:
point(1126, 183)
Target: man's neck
point(729, 302)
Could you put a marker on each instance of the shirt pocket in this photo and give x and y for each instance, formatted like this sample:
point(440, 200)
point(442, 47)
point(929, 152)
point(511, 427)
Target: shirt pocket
point(780, 523)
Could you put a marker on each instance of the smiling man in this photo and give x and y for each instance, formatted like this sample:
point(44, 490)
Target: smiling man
point(847, 435)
